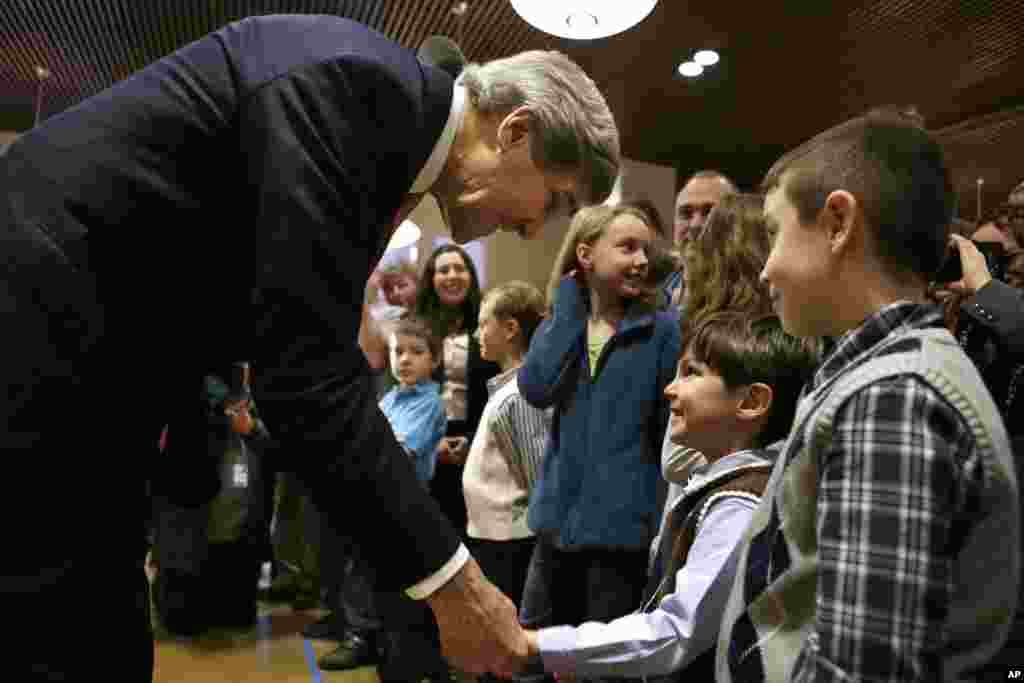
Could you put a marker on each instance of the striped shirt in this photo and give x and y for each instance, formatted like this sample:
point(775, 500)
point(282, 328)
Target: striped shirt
point(503, 460)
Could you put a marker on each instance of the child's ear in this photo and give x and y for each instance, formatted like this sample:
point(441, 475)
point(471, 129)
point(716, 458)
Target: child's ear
point(584, 255)
point(756, 403)
point(510, 326)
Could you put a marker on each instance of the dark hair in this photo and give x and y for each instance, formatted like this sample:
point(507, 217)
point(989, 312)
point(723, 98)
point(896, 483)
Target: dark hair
point(442, 318)
point(519, 301)
point(412, 326)
point(745, 349)
point(897, 172)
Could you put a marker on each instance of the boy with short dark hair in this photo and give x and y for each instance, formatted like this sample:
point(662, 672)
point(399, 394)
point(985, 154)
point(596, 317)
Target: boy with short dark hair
point(734, 394)
point(886, 547)
point(416, 413)
point(414, 407)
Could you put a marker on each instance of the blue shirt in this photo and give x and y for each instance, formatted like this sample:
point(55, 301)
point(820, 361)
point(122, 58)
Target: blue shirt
point(418, 419)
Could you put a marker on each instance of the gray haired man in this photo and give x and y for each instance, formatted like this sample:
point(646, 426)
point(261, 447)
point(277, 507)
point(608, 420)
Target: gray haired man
point(245, 187)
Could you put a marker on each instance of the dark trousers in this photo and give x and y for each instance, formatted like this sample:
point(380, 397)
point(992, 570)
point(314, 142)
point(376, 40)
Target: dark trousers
point(356, 605)
point(586, 585)
point(114, 611)
point(505, 563)
point(446, 488)
point(222, 593)
point(411, 640)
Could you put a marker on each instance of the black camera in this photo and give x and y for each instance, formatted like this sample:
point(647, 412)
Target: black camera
point(995, 259)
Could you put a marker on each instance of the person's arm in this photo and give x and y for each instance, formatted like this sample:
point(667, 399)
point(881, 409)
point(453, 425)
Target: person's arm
point(678, 461)
point(684, 624)
point(891, 485)
point(994, 305)
point(553, 354)
point(521, 432)
point(668, 362)
point(999, 308)
point(372, 341)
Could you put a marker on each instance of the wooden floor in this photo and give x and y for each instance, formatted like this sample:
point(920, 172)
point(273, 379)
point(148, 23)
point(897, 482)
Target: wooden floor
point(273, 651)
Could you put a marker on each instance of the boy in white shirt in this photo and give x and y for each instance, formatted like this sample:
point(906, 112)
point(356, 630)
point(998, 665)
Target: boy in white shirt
point(503, 459)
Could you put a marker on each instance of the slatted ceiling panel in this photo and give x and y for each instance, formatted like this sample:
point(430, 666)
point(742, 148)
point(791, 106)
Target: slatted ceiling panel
point(974, 150)
point(790, 69)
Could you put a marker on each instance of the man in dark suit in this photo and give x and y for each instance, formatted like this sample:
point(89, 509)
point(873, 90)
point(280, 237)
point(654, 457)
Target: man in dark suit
point(229, 202)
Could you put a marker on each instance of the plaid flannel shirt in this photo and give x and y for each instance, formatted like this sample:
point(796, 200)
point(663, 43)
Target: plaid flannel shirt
point(898, 488)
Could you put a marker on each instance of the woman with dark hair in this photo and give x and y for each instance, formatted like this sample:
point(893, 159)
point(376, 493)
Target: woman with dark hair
point(448, 298)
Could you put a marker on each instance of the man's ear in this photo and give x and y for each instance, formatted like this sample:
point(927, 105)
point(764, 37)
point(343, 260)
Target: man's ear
point(756, 402)
point(842, 219)
point(514, 129)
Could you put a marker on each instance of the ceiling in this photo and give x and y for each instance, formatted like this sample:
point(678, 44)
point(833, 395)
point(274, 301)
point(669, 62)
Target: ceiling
point(789, 69)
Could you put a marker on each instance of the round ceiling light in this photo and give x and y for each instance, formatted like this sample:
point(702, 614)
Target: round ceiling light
point(583, 19)
point(691, 69)
point(706, 58)
point(407, 234)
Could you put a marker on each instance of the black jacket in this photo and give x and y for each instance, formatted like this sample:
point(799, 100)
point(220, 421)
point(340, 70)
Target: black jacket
point(228, 201)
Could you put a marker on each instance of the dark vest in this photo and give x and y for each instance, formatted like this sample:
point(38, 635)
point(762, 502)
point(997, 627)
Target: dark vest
point(678, 538)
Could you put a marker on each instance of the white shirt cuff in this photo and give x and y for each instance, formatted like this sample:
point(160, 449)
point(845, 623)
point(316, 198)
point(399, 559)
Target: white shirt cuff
point(428, 586)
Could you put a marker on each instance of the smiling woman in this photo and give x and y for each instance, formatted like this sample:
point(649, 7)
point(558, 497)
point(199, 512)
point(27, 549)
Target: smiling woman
point(449, 300)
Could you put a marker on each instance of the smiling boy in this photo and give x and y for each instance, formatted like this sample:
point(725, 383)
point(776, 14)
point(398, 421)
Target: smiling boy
point(735, 393)
point(886, 545)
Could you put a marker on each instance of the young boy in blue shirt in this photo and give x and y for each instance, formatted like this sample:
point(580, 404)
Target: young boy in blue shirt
point(414, 407)
point(417, 416)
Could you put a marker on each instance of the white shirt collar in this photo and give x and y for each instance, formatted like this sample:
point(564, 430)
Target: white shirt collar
point(435, 162)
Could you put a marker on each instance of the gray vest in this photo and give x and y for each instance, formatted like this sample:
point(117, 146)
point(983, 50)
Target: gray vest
point(987, 567)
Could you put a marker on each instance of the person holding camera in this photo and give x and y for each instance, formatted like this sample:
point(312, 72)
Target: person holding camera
point(984, 309)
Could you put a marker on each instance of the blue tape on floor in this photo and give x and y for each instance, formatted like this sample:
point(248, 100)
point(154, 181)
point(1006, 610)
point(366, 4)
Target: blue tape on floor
point(311, 660)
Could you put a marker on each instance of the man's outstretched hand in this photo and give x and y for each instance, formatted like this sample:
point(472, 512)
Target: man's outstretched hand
point(479, 625)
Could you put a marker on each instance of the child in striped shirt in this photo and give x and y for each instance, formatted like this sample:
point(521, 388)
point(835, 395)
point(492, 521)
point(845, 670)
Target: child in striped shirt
point(508, 444)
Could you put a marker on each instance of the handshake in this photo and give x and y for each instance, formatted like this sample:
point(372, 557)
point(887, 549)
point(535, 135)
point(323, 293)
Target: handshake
point(480, 629)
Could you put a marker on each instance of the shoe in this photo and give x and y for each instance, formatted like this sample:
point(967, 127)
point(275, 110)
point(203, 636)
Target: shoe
point(324, 628)
point(355, 650)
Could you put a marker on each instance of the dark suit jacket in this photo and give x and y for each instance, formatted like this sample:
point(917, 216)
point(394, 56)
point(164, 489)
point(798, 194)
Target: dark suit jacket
point(226, 202)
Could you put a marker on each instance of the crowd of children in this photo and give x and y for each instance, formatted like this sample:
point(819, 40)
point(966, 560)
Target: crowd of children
point(792, 472)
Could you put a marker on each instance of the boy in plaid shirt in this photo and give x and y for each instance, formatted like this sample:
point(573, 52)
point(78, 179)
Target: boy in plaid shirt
point(886, 546)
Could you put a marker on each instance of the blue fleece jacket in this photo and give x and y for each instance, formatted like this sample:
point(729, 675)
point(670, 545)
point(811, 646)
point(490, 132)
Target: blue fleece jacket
point(598, 483)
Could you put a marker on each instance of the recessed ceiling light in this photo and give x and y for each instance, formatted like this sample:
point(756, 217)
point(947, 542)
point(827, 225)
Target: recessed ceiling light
point(583, 19)
point(706, 57)
point(42, 72)
point(691, 69)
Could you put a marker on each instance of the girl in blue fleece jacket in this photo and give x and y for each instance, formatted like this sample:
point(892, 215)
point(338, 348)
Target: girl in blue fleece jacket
point(603, 359)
